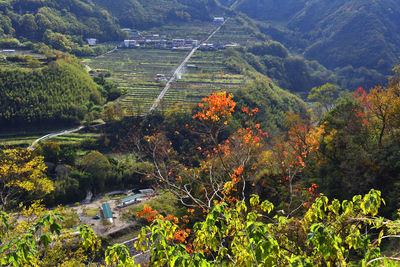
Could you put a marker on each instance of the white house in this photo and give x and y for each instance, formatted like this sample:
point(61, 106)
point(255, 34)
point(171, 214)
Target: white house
point(91, 41)
point(130, 43)
point(219, 19)
point(178, 42)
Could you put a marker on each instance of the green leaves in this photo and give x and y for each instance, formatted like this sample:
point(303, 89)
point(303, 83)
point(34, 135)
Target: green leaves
point(89, 239)
point(45, 240)
point(267, 206)
point(329, 234)
point(325, 94)
point(371, 202)
point(118, 255)
point(23, 249)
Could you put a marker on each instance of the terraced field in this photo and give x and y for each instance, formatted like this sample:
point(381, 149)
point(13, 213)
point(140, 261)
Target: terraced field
point(204, 75)
point(4, 53)
point(234, 32)
point(135, 71)
point(187, 30)
point(26, 139)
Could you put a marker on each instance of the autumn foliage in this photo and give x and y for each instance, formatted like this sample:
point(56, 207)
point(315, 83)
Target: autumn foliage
point(216, 107)
point(22, 174)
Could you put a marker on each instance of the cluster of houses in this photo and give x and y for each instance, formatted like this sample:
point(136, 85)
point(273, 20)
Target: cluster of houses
point(160, 43)
point(137, 40)
point(186, 44)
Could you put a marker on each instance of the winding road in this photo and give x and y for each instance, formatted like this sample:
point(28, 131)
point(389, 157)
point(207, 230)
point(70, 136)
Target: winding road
point(51, 135)
point(179, 70)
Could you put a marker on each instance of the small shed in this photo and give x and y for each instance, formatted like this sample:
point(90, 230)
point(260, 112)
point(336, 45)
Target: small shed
point(147, 192)
point(130, 43)
point(130, 200)
point(107, 213)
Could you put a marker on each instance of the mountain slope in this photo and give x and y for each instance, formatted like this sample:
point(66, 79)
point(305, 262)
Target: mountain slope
point(337, 33)
point(60, 93)
point(31, 18)
point(147, 13)
point(99, 19)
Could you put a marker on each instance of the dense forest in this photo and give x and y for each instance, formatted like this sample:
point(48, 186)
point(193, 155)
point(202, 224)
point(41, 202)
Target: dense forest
point(273, 60)
point(142, 14)
point(30, 19)
point(95, 19)
point(60, 93)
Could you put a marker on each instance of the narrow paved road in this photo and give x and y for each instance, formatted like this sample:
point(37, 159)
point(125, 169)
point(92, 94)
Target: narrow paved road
point(51, 135)
point(179, 70)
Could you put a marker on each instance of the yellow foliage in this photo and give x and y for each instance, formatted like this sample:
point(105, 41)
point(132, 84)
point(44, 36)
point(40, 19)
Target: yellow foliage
point(22, 173)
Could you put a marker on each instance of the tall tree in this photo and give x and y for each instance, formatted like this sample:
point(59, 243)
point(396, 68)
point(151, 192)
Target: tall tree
point(325, 95)
point(22, 177)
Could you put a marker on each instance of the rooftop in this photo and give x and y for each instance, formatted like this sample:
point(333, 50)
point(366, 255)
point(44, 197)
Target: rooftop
point(106, 211)
point(146, 191)
point(130, 198)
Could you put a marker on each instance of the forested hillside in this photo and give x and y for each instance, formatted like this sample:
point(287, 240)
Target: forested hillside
point(141, 14)
point(289, 72)
point(62, 92)
point(95, 18)
point(31, 18)
point(358, 38)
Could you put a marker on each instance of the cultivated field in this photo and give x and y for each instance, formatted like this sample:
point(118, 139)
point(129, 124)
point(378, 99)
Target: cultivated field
point(205, 73)
point(21, 139)
point(234, 32)
point(189, 30)
point(32, 59)
point(135, 71)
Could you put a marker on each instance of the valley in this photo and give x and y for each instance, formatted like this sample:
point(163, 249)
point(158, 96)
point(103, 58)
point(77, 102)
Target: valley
point(199, 133)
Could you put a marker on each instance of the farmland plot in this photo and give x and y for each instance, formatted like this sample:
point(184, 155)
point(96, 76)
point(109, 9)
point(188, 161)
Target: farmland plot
point(196, 30)
point(205, 73)
point(135, 71)
point(234, 31)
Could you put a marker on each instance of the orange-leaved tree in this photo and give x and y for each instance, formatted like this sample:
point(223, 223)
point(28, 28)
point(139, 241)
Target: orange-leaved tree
point(381, 112)
point(226, 163)
point(289, 158)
